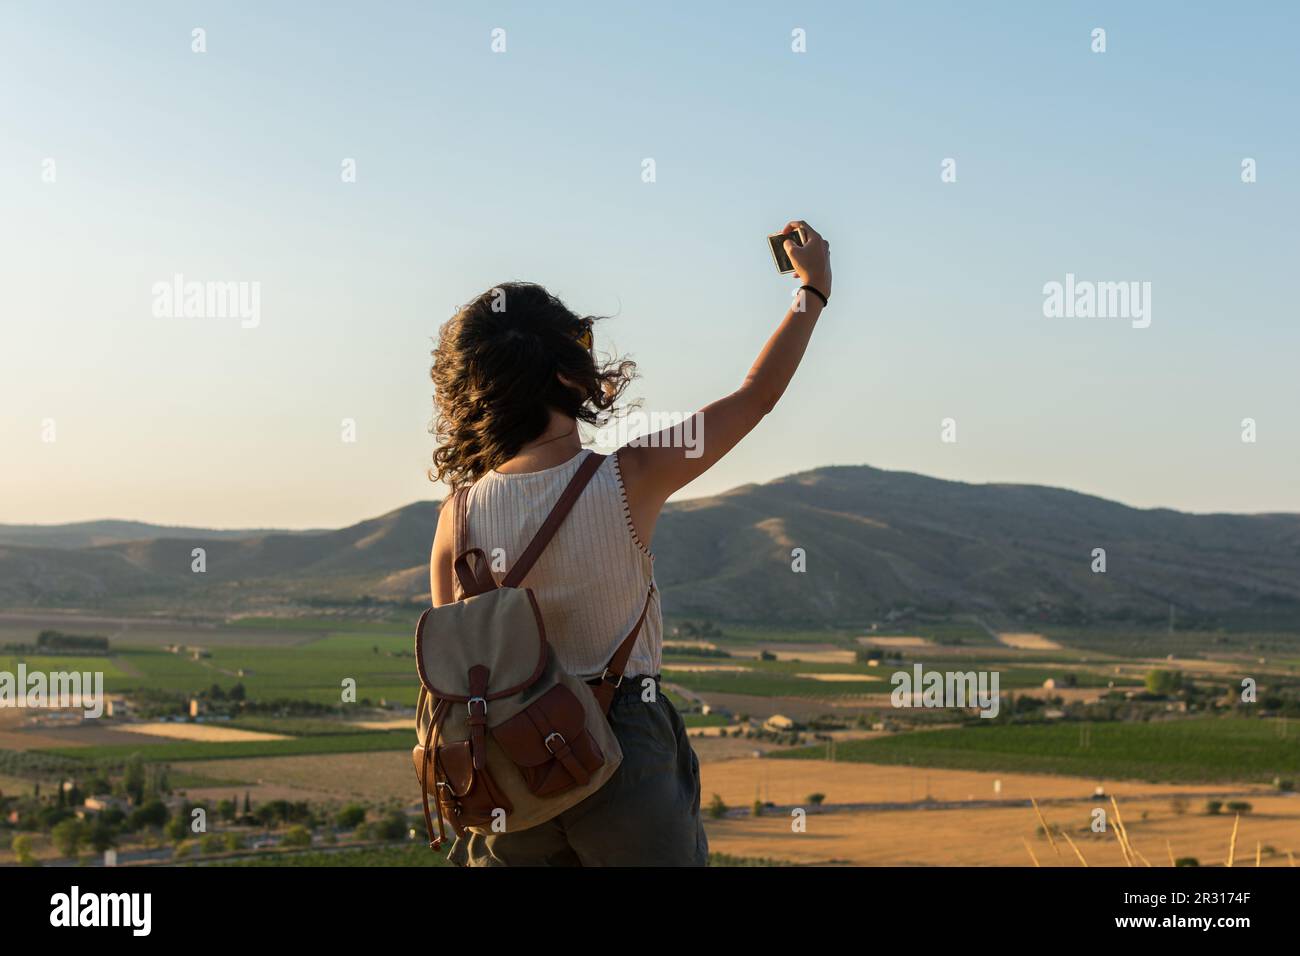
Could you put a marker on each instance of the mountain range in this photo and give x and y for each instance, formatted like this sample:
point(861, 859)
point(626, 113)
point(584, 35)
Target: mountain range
point(870, 542)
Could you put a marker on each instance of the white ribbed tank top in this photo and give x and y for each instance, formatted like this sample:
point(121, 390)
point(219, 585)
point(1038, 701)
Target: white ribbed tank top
point(591, 580)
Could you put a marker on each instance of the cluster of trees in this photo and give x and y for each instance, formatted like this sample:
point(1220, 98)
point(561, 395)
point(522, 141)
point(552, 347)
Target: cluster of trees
point(1164, 683)
point(56, 642)
point(137, 788)
point(702, 629)
point(696, 651)
point(1215, 807)
point(216, 693)
point(1280, 697)
point(139, 803)
point(232, 702)
point(865, 655)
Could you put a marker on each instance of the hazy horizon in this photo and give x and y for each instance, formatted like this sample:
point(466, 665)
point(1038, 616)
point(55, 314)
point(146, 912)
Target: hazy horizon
point(202, 525)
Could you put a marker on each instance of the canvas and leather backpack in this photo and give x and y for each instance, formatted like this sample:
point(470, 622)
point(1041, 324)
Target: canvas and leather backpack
point(507, 737)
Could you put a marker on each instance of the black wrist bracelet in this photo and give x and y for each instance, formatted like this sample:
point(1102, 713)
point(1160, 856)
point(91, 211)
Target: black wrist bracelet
point(816, 292)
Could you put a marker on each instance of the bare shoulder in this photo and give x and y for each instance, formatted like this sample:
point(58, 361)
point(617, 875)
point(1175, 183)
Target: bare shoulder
point(637, 469)
point(440, 557)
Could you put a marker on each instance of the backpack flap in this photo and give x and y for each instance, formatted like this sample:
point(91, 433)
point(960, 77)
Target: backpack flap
point(509, 643)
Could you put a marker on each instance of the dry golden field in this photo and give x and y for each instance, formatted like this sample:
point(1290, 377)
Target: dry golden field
point(738, 782)
point(371, 777)
point(809, 653)
point(964, 836)
point(995, 837)
point(1029, 642)
point(984, 836)
point(896, 642)
point(206, 733)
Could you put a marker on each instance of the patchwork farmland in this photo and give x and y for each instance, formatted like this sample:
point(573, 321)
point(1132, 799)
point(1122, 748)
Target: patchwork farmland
point(296, 734)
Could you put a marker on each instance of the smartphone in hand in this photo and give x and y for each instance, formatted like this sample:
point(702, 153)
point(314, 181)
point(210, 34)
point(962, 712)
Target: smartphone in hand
point(777, 243)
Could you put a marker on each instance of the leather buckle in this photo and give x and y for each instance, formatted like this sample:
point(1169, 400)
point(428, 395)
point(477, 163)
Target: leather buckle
point(469, 705)
point(547, 741)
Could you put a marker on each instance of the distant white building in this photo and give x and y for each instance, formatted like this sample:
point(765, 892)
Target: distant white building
point(102, 802)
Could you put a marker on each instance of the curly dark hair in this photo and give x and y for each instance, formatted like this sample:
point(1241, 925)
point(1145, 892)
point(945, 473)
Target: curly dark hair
point(496, 376)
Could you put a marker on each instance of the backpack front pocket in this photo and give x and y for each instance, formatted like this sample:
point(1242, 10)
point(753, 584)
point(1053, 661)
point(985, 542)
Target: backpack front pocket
point(548, 741)
point(467, 796)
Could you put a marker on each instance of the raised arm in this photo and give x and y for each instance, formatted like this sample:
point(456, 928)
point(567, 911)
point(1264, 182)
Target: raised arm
point(655, 469)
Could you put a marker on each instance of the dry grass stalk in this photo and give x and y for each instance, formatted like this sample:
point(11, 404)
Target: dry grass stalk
point(1257, 852)
point(1031, 852)
point(1074, 848)
point(1170, 847)
point(1046, 828)
point(1122, 849)
point(1121, 834)
point(1232, 845)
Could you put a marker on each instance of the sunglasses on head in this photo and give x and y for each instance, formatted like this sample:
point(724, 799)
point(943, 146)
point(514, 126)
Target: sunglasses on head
point(584, 337)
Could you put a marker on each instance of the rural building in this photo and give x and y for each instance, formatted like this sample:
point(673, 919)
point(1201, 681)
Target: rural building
point(779, 723)
point(96, 805)
point(102, 802)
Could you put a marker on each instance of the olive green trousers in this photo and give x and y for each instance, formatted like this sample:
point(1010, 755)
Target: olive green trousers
point(648, 814)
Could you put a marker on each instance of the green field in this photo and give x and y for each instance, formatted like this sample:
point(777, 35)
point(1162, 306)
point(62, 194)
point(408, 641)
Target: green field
point(1183, 751)
point(959, 631)
point(297, 726)
point(310, 672)
point(67, 664)
point(780, 678)
point(756, 634)
point(758, 684)
point(705, 720)
point(321, 625)
point(1124, 640)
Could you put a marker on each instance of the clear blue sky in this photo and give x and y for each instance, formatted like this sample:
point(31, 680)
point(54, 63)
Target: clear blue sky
point(475, 167)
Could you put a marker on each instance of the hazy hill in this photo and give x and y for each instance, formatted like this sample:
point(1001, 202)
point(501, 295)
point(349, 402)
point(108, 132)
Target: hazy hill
point(874, 541)
point(877, 540)
point(83, 534)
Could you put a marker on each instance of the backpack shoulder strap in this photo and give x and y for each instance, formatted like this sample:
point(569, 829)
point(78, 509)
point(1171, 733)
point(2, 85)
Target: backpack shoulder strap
point(568, 498)
point(608, 682)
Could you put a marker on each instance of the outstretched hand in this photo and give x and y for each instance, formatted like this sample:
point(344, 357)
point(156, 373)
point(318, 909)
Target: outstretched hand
point(812, 260)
